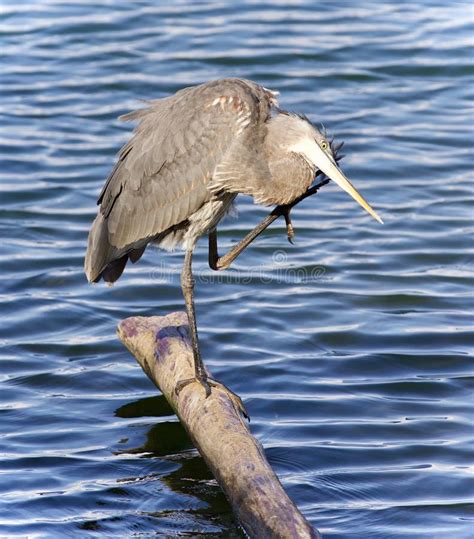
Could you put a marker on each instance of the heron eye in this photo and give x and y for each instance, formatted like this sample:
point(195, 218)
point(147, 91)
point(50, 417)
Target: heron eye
point(324, 145)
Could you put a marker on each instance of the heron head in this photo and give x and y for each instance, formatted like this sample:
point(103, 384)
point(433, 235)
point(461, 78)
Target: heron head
point(308, 141)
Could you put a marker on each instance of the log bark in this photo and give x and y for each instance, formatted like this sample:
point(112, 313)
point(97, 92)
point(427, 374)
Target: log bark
point(161, 345)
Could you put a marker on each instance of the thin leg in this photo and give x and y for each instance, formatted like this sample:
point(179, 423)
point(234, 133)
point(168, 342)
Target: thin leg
point(290, 231)
point(213, 254)
point(187, 286)
point(200, 374)
point(217, 262)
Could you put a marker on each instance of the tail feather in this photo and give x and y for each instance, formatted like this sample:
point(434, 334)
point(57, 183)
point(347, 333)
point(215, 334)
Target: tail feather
point(98, 248)
point(103, 260)
point(113, 270)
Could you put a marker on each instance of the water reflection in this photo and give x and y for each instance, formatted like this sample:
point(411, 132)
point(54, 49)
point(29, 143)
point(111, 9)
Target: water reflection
point(191, 477)
point(359, 381)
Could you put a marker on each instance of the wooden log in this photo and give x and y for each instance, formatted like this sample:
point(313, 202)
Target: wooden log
point(161, 345)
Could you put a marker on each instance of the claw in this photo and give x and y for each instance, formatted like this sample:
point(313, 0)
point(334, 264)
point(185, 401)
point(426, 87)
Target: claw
point(207, 383)
point(235, 399)
point(290, 231)
point(183, 383)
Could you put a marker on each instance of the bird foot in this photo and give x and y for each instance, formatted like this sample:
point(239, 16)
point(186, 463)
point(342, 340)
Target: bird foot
point(208, 383)
point(290, 231)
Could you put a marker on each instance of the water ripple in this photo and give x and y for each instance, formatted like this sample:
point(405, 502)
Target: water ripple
point(352, 348)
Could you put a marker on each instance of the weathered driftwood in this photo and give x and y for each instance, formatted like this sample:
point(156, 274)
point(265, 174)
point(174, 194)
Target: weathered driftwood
point(161, 345)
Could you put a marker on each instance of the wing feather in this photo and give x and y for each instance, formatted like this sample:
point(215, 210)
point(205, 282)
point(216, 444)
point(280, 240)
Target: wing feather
point(162, 174)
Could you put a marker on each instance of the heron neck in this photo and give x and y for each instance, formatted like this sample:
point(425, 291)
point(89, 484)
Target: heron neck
point(291, 176)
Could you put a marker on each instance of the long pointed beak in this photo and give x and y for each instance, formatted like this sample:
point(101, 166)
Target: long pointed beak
point(333, 172)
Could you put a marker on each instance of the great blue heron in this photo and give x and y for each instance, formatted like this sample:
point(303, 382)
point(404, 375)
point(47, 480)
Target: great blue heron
point(189, 157)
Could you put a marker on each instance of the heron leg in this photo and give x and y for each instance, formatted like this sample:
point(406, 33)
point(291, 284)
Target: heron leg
point(200, 374)
point(187, 286)
point(290, 231)
point(213, 253)
point(217, 262)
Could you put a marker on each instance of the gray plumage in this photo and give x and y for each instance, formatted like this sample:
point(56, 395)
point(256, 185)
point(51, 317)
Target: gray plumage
point(190, 155)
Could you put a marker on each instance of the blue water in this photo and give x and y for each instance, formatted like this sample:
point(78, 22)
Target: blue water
point(352, 349)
